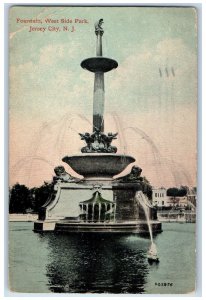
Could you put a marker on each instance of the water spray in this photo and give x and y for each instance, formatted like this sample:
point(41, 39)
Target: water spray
point(144, 202)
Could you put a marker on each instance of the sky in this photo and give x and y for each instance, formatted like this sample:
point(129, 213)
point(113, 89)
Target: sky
point(150, 99)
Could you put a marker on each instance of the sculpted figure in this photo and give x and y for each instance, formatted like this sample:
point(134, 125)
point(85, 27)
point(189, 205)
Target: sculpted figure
point(133, 176)
point(62, 175)
point(98, 27)
point(98, 142)
point(88, 139)
point(96, 135)
point(108, 139)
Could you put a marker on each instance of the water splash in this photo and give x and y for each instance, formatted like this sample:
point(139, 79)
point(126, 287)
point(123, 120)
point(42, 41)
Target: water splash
point(191, 205)
point(120, 129)
point(144, 202)
point(152, 252)
point(146, 205)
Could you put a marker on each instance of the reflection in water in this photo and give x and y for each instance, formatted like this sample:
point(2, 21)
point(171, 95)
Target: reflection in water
point(96, 263)
point(51, 262)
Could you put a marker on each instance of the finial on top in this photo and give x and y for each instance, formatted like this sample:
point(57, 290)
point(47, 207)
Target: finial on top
point(98, 27)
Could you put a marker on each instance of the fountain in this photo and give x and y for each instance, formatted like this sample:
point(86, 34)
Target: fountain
point(143, 200)
point(98, 202)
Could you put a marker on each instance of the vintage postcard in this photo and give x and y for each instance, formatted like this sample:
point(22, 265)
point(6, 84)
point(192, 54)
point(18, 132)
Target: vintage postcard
point(102, 149)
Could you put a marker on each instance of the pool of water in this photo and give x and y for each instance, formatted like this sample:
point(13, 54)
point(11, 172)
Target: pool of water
point(101, 263)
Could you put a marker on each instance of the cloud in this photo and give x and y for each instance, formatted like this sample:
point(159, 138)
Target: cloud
point(142, 68)
point(164, 107)
point(49, 85)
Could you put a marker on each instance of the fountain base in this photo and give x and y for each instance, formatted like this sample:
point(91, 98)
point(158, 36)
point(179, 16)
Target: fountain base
point(79, 227)
point(85, 207)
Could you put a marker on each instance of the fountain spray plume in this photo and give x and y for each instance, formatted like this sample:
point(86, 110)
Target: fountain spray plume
point(144, 202)
point(142, 199)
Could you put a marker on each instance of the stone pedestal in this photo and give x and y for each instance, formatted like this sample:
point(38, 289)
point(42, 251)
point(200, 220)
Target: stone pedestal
point(64, 211)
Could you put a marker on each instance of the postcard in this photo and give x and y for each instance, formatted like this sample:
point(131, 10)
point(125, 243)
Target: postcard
point(102, 149)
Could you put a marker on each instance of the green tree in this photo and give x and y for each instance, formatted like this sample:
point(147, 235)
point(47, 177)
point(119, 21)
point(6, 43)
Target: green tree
point(19, 199)
point(41, 195)
point(175, 192)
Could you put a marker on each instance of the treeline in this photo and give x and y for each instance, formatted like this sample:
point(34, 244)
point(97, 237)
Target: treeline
point(23, 199)
point(181, 192)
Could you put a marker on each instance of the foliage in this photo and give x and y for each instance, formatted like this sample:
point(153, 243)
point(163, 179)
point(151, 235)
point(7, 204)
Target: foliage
point(175, 192)
point(41, 195)
point(19, 199)
point(22, 199)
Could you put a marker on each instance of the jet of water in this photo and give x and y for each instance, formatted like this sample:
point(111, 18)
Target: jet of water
point(146, 205)
point(144, 202)
point(152, 250)
point(191, 205)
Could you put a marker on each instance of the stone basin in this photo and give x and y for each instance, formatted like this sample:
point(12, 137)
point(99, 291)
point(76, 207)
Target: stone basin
point(98, 165)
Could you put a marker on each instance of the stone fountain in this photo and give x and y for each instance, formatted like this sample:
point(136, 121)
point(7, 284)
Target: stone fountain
point(98, 202)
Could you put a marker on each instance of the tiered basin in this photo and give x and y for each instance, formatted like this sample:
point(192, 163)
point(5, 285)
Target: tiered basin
point(98, 165)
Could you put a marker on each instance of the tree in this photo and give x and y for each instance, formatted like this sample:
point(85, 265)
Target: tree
point(19, 199)
point(175, 192)
point(172, 192)
point(23, 199)
point(183, 191)
point(41, 195)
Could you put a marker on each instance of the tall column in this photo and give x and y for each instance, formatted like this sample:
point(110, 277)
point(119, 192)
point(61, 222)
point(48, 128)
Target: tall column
point(98, 100)
point(99, 35)
point(99, 65)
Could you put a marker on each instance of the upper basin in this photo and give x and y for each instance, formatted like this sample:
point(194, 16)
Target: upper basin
point(98, 165)
point(99, 64)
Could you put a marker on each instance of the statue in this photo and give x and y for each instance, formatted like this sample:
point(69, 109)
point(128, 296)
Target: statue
point(98, 27)
point(133, 176)
point(109, 138)
point(62, 175)
point(98, 142)
point(88, 139)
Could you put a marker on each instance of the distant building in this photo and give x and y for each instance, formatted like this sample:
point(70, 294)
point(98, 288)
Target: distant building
point(160, 199)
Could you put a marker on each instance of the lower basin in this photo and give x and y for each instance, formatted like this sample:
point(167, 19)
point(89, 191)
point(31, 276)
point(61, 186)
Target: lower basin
point(95, 165)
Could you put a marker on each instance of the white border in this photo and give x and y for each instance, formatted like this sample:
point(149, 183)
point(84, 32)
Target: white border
point(201, 145)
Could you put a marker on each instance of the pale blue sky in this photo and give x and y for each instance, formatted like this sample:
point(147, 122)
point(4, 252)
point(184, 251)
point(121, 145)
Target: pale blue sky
point(46, 80)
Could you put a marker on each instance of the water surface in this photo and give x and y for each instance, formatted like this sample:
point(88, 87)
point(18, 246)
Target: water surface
point(101, 263)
